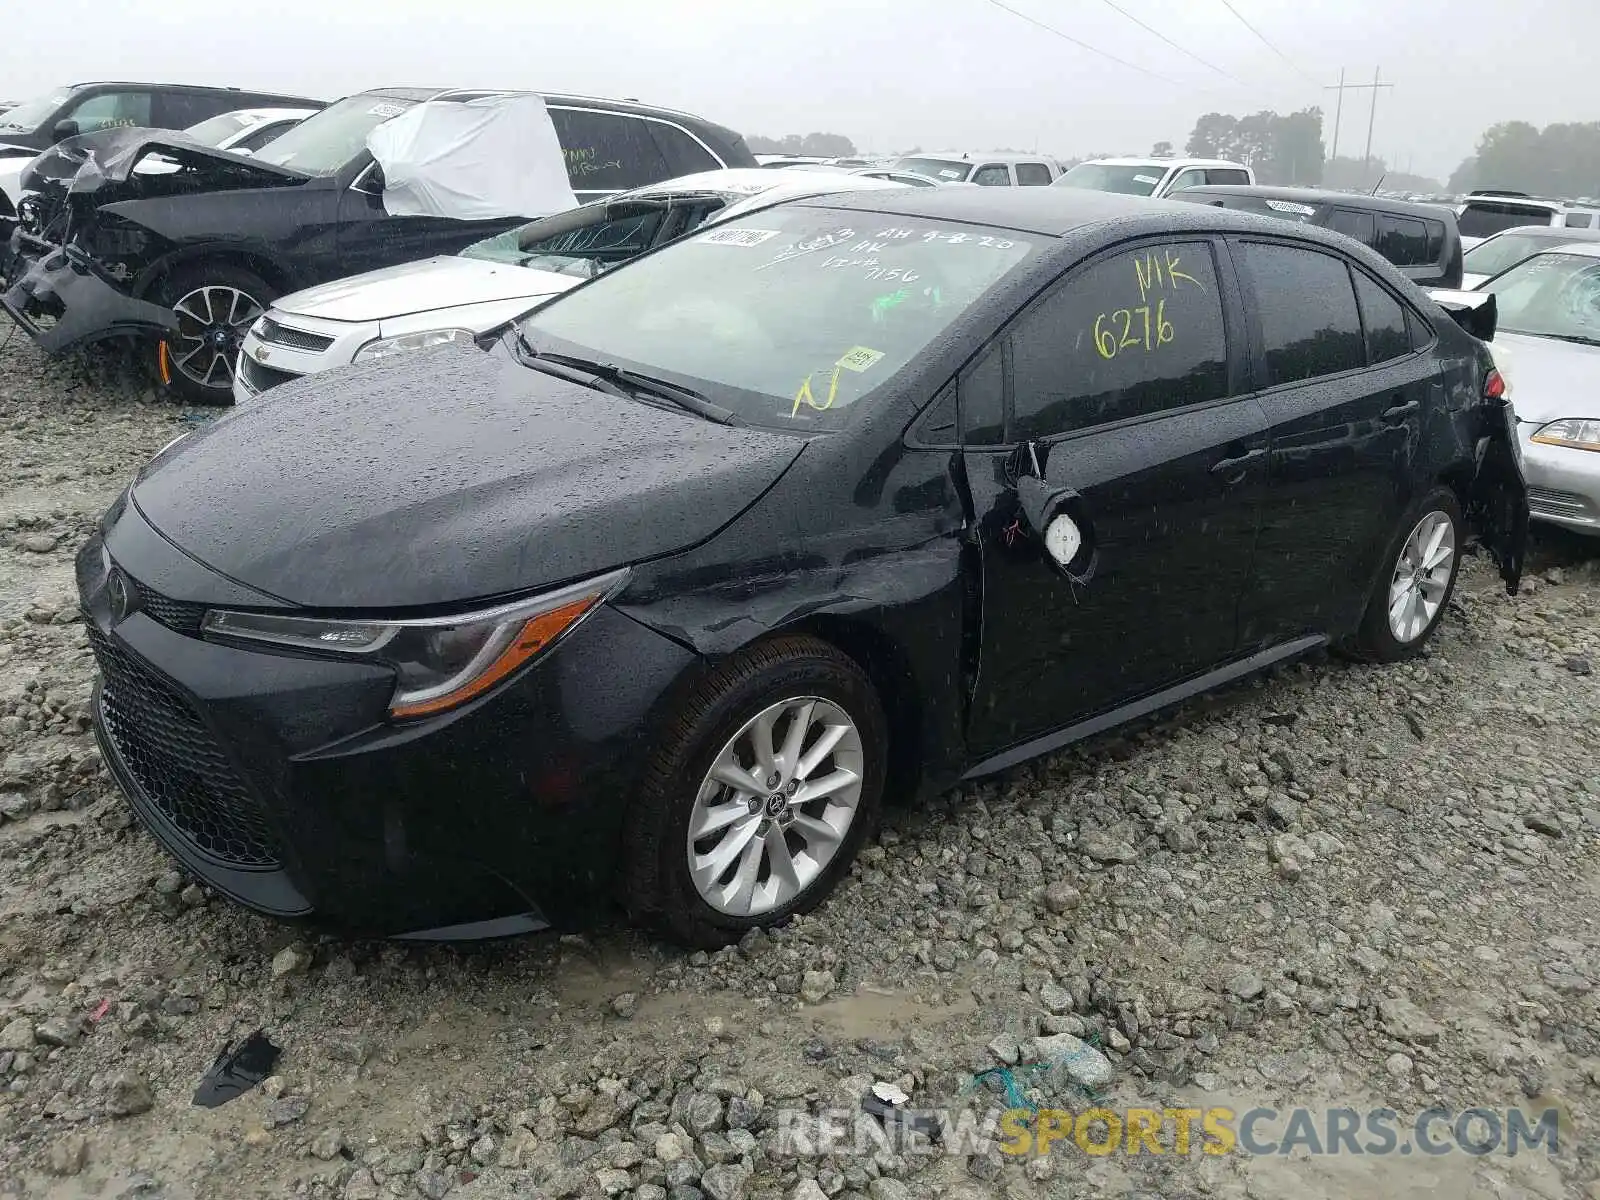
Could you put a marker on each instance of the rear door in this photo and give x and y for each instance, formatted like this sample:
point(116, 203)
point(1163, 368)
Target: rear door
point(992, 175)
point(1120, 380)
point(1354, 223)
point(1034, 174)
point(1344, 436)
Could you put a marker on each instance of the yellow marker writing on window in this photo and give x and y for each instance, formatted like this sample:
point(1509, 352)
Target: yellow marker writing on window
point(804, 396)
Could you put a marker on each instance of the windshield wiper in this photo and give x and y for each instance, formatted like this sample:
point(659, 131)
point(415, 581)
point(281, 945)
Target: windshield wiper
point(1579, 338)
point(568, 369)
point(634, 382)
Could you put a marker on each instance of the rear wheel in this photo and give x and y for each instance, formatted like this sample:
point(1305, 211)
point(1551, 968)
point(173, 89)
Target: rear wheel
point(760, 794)
point(215, 303)
point(1417, 581)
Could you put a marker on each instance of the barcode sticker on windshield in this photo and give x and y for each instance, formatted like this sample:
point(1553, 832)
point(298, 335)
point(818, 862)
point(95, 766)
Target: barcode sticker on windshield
point(739, 237)
point(386, 110)
point(860, 358)
point(947, 173)
point(1150, 179)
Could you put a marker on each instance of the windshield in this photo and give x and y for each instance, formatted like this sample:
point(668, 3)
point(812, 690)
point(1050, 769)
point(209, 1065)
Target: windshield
point(1553, 294)
point(218, 129)
point(322, 144)
point(1502, 252)
point(789, 317)
point(935, 168)
point(1102, 177)
point(26, 116)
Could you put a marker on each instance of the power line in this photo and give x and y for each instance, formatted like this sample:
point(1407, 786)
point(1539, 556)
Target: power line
point(1263, 38)
point(1115, 7)
point(1082, 44)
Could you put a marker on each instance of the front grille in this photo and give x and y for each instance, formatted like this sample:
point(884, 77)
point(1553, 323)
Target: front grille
point(281, 335)
point(176, 762)
point(261, 378)
point(1552, 503)
point(177, 615)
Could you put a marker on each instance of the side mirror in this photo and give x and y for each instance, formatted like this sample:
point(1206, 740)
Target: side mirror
point(1057, 518)
point(64, 129)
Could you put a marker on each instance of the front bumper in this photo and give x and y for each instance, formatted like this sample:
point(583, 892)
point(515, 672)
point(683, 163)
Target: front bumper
point(1563, 483)
point(284, 346)
point(61, 301)
point(278, 780)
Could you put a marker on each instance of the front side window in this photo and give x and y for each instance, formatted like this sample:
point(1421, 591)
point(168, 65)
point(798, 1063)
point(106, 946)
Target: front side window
point(110, 110)
point(327, 141)
point(1554, 294)
point(1383, 319)
point(1353, 224)
point(992, 175)
point(1136, 333)
point(1309, 323)
point(1103, 177)
point(30, 114)
point(1033, 175)
point(1187, 179)
point(791, 317)
point(1402, 240)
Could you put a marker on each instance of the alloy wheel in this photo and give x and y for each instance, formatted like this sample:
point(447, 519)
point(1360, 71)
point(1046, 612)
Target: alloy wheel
point(212, 322)
point(1421, 577)
point(776, 806)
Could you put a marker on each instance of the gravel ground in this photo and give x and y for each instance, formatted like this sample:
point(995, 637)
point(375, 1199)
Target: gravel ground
point(1338, 885)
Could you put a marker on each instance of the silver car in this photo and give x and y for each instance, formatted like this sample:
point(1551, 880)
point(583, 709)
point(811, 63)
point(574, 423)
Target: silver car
point(1547, 347)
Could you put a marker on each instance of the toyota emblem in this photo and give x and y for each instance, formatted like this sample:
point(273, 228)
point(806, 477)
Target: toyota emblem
point(117, 595)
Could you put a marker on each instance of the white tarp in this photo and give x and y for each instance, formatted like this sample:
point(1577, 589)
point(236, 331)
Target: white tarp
point(473, 160)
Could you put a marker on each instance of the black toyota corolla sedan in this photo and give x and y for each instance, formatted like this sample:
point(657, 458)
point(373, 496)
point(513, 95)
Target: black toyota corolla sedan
point(657, 595)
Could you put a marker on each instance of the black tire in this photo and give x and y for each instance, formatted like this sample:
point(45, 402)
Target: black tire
point(659, 889)
point(1375, 641)
point(183, 283)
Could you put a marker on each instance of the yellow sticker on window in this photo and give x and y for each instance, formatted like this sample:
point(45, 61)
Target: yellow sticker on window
point(860, 358)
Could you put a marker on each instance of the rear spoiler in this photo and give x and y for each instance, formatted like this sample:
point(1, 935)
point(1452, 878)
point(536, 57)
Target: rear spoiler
point(1476, 312)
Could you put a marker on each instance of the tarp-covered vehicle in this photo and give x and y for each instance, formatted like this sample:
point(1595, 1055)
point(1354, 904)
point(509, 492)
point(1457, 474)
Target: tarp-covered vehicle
point(188, 259)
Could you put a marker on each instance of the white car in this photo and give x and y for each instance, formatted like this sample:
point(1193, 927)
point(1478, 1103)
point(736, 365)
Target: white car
point(454, 298)
point(1504, 250)
point(243, 132)
point(1547, 346)
point(1484, 214)
point(988, 169)
point(1155, 177)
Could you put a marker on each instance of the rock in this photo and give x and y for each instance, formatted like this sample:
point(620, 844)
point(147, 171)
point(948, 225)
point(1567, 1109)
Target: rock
point(613, 1182)
point(742, 1112)
point(287, 1111)
point(128, 1096)
point(1282, 811)
point(1287, 1069)
point(668, 1147)
point(808, 1189)
point(725, 1181)
point(1579, 665)
point(291, 960)
point(68, 1155)
point(58, 1033)
point(1061, 897)
point(1084, 1064)
point(1542, 823)
point(1106, 846)
point(884, 1188)
point(433, 1185)
point(1406, 1022)
point(625, 1005)
point(193, 896)
point(361, 1186)
point(816, 986)
point(1245, 984)
point(1005, 1049)
point(1399, 1065)
point(327, 1144)
point(39, 543)
point(1182, 839)
point(349, 1048)
point(1056, 999)
point(17, 1035)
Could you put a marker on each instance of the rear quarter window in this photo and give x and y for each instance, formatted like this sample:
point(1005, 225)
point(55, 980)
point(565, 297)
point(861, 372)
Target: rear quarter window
point(608, 152)
point(1402, 240)
point(683, 154)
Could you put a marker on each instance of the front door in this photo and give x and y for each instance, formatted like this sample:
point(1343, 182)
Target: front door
point(1344, 438)
point(1121, 382)
point(369, 237)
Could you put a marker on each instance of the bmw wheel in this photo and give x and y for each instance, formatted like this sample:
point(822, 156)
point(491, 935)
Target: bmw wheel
point(215, 304)
point(761, 793)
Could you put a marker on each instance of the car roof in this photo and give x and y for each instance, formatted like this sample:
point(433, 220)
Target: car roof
point(1319, 196)
point(1548, 233)
point(1056, 212)
point(1165, 163)
point(976, 155)
point(208, 88)
point(269, 114)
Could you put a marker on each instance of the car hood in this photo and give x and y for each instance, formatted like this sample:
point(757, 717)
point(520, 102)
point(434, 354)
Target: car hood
point(1469, 281)
point(1549, 379)
point(447, 281)
point(446, 476)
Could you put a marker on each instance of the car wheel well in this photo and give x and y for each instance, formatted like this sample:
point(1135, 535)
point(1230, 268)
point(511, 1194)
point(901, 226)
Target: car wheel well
point(885, 664)
point(270, 272)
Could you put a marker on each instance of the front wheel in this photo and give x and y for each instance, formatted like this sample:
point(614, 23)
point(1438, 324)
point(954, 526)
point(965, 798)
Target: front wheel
point(760, 794)
point(1417, 580)
point(215, 303)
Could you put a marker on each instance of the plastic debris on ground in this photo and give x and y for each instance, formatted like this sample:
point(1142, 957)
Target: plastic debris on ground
point(237, 1070)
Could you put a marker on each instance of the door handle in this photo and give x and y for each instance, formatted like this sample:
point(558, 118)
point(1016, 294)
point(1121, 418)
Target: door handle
point(1401, 411)
point(1232, 470)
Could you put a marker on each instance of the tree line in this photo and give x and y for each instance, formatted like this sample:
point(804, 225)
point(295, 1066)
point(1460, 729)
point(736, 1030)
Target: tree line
point(1562, 159)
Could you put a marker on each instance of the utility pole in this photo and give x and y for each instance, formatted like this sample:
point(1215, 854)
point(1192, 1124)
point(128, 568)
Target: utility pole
point(1372, 116)
point(1342, 87)
point(1338, 111)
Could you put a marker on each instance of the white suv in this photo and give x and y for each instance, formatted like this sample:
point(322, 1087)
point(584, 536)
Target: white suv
point(1153, 176)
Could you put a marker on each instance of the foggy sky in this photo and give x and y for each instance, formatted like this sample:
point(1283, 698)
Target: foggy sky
point(887, 73)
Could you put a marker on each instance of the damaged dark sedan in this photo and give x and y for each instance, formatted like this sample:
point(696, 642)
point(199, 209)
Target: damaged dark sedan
point(187, 258)
point(657, 602)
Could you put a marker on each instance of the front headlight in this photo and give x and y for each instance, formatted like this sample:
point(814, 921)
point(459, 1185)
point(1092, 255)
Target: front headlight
point(1576, 433)
point(384, 347)
point(441, 662)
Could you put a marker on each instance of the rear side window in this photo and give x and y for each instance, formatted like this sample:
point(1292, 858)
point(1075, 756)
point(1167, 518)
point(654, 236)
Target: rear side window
point(1226, 175)
point(1579, 220)
point(1485, 218)
point(1136, 333)
point(1402, 240)
point(1309, 322)
point(684, 155)
point(1435, 240)
point(608, 152)
point(1353, 223)
point(1033, 175)
point(1384, 320)
point(992, 175)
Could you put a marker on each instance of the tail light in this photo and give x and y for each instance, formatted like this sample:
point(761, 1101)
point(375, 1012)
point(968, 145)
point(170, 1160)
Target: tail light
point(1494, 385)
